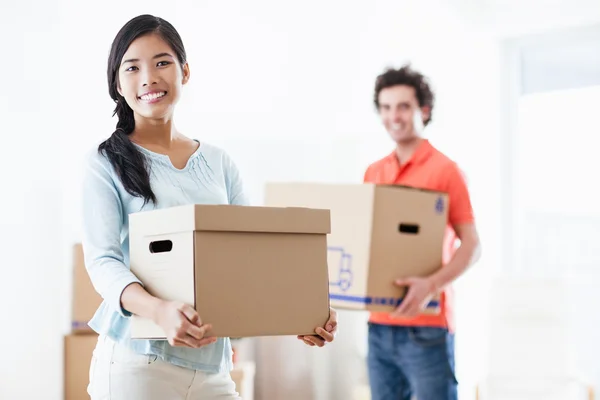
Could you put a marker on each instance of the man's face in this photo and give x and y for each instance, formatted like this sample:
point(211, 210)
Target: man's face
point(397, 108)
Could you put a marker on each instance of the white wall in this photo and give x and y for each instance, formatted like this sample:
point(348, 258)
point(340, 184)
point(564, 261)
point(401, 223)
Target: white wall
point(30, 199)
point(278, 86)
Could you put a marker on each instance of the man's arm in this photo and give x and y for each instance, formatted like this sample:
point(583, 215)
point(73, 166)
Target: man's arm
point(467, 254)
point(460, 215)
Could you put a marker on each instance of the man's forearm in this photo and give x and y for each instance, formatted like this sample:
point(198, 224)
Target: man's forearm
point(467, 254)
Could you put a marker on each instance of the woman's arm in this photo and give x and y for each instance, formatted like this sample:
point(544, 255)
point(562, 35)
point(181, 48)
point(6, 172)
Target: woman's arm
point(234, 183)
point(103, 221)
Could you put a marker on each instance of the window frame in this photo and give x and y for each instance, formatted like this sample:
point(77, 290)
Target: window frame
point(513, 79)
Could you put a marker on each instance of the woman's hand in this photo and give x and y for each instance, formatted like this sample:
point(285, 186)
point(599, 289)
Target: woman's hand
point(182, 325)
point(323, 335)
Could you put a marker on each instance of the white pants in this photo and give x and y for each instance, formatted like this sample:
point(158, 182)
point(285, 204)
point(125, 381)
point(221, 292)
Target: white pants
point(118, 373)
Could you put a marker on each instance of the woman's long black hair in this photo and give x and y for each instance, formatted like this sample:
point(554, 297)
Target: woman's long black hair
point(128, 161)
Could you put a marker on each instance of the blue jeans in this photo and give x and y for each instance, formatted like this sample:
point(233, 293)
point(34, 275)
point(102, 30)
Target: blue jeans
point(406, 361)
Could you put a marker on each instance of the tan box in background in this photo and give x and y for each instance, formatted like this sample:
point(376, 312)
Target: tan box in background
point(78, 351)
point(379, 233)
point(249, 271)
point(85, 299)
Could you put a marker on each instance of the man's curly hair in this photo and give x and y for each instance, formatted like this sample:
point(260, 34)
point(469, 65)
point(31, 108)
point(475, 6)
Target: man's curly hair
point(409, 77)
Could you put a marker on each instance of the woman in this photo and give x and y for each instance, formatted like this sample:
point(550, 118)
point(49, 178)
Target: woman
point(147, 164)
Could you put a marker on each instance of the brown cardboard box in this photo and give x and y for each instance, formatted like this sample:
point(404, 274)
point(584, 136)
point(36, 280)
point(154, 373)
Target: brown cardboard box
point(243, 376)
point(85, 299)
point(249, 271)
point(379, 233)
point(78, 351)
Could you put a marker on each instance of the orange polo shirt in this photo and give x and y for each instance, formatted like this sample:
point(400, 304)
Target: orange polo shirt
point(428, 168)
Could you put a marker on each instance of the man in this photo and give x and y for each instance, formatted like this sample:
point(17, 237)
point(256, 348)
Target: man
point(412, 354)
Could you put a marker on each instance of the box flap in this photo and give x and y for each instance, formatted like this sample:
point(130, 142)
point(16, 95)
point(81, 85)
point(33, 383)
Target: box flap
point(230, 218)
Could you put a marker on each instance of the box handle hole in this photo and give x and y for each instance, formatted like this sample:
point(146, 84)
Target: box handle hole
point(161, 246)
point(411, 229)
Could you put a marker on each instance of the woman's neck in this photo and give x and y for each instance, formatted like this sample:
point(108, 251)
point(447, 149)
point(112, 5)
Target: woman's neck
point(153, 132)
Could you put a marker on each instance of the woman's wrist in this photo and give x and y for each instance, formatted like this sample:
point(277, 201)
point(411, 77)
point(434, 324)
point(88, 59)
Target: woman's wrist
point(138, 301)
point(156, 307)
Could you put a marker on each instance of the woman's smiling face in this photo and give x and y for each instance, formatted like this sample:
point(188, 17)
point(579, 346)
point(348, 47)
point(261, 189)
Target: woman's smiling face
point(151, 78)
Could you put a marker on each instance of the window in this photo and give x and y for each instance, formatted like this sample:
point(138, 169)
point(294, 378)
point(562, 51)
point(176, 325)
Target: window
point(552, 194)
point(556, 185)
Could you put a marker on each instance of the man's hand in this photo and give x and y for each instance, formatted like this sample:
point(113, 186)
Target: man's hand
point(419, 293)
point(323, 335)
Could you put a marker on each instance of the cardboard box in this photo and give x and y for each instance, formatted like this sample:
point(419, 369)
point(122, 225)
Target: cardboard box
point(243, 376)
point(85, 299)
point(379, 233)
point(78, 351)
point(249, 271)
